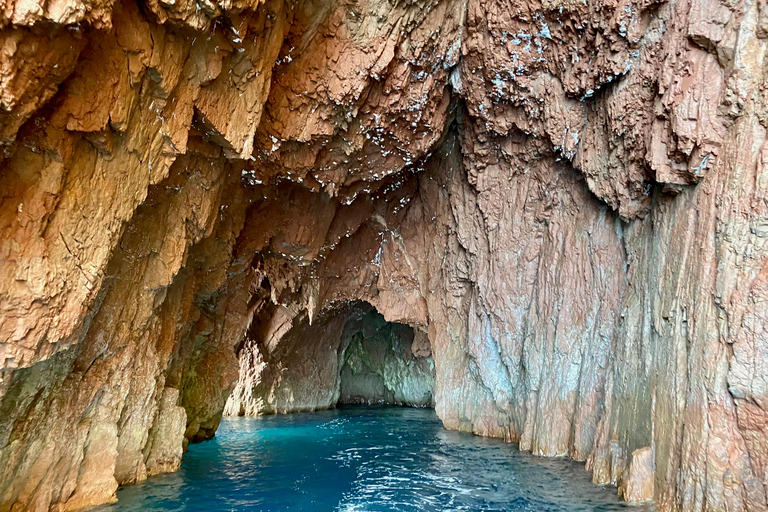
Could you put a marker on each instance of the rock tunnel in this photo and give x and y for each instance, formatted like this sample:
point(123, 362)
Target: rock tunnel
point(547, 220)
point(349, 355)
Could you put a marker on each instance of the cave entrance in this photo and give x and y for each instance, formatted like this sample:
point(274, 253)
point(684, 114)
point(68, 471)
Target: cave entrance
point(387, 363)
point(349, 354)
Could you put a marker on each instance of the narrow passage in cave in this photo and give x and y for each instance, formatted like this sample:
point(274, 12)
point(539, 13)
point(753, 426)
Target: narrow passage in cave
point(347, 355)
point(355, 451)
point(387, 363)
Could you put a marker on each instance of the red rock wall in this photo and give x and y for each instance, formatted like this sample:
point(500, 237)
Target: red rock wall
point(569, 197)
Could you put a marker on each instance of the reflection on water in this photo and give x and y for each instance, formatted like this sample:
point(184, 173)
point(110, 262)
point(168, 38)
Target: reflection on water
point(366, 459)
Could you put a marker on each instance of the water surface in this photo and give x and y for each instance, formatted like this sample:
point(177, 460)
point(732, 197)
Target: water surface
point(364, 459)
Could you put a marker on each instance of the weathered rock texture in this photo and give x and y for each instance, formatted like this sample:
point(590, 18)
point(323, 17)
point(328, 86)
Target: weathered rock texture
point(568, 197)
point(349, 354)
point(387, 363)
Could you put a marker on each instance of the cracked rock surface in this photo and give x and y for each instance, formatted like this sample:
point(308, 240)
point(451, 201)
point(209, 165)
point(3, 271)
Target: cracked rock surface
point(566, 199)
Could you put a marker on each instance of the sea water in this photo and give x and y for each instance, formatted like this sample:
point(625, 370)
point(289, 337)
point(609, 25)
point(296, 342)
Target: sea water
point(366, 459)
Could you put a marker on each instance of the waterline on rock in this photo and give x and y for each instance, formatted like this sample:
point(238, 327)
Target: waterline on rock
point(364, 458)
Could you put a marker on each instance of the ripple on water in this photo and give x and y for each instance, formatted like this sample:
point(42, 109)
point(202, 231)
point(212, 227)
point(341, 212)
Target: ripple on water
point(364, 459)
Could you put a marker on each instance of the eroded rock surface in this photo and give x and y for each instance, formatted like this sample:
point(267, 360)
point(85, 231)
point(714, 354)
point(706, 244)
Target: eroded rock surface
point(567, 197)
point(387, 363)
point(348, 355)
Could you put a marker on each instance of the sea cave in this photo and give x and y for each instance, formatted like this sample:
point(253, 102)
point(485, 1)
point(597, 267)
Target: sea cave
point(410, 255)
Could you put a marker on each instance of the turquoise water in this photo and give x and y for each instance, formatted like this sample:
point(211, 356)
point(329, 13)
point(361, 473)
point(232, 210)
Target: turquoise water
point(366, 459)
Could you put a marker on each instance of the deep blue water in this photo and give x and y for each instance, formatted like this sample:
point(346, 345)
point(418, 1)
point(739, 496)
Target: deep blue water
point(366, 459)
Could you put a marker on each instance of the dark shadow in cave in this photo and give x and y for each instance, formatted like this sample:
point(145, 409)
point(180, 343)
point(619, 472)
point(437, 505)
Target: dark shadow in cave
point(349, 354)
point(386, 363)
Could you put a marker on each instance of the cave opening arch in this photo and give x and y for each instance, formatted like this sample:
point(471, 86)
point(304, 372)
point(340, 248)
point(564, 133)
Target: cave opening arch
point(348, 354)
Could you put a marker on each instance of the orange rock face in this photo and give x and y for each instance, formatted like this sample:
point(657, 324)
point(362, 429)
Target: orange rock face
point(568, 198)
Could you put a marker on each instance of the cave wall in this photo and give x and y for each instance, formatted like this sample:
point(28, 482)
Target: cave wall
point(294, 368)
point(567, 197)
point(348, 354)
point(387, 363)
